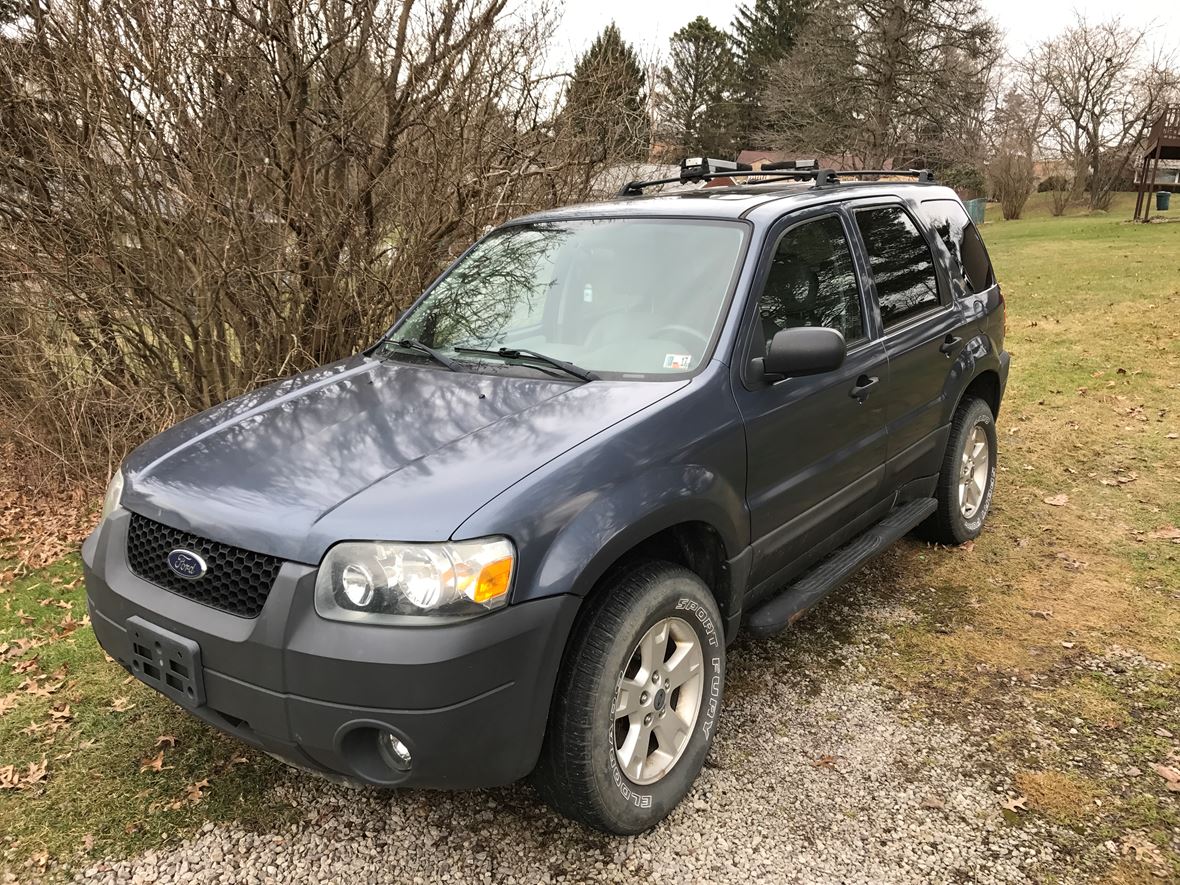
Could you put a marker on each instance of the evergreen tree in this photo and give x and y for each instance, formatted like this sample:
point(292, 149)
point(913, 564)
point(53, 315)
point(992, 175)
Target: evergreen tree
point(763, 33)
point(696, 113)
point(606, 104)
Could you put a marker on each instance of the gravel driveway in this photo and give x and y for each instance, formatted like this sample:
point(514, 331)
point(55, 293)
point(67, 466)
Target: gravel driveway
point(818, 775)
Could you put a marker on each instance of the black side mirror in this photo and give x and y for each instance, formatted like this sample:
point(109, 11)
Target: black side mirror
point(804, 350)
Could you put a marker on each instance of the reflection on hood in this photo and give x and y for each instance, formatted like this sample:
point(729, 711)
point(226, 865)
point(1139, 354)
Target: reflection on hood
point(364, 450)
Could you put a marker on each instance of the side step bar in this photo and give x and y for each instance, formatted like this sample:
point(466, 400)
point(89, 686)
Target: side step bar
point(793, 600)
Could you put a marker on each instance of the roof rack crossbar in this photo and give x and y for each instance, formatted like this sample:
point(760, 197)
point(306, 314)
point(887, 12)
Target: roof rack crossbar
point(635, 188)
point(774, 171)
point(920, 174)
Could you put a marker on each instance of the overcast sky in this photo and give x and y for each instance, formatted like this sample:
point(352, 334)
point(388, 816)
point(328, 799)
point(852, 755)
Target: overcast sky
point(649, 23)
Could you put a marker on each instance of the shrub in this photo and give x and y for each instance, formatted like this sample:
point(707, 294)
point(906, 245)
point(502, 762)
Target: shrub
point(1012, 181)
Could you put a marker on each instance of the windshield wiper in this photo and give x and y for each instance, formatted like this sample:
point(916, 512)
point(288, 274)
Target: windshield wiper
point(415, 344)
point(518, 353)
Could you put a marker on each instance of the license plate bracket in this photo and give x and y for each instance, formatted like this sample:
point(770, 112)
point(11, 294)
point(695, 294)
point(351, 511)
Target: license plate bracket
point(169, 663)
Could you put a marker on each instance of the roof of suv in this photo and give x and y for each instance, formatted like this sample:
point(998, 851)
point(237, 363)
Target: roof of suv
point(738, 201)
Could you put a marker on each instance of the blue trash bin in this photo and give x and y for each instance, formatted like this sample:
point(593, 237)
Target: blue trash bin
point(1163, 199)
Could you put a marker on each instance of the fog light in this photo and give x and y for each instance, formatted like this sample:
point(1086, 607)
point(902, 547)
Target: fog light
point(395, 753)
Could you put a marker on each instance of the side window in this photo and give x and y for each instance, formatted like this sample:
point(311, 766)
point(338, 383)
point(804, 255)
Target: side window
point(954, 226)
point(812, 282)
point(903, 268)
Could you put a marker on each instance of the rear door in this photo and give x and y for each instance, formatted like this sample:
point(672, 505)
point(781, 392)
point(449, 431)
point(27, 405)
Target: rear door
point(924, 327)
point(816, 451)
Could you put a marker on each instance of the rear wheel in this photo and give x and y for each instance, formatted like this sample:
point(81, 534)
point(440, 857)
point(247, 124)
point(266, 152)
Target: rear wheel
point(637, 700)
point(968, 476)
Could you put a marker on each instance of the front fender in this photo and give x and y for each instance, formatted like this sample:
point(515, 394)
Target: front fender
point(618, 519)
point(683, 460)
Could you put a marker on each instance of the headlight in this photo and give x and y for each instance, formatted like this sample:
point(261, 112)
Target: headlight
point(113, 496)
point(386, 582)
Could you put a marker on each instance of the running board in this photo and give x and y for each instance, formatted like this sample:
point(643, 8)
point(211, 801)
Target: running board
point(795, 599)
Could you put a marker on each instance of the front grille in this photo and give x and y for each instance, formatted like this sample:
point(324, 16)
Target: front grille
point(236, 580)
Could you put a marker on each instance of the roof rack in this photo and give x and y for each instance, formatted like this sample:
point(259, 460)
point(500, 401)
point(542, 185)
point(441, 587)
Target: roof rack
point(706, 169)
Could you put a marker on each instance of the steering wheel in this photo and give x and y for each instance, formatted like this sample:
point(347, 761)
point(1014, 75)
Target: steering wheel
point(682, 330)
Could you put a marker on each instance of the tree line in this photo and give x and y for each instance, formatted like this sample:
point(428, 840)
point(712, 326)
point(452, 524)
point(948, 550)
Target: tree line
point(198, 196)
point(898, 84)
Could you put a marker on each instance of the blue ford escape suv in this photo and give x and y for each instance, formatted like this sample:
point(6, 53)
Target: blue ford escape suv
point(516, 535)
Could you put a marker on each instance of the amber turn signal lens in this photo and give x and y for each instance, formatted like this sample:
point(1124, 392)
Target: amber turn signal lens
point(493, 580)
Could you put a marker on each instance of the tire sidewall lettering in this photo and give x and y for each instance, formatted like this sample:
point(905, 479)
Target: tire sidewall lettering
point(635, 795)
point(702, 616)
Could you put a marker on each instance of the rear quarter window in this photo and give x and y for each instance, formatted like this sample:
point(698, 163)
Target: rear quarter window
point(954, 228)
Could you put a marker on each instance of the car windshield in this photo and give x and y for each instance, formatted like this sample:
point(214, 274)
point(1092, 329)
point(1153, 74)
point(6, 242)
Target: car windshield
point(629, 296)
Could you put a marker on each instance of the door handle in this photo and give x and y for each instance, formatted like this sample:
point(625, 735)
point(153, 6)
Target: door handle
point(949, 344)
point(864, 385)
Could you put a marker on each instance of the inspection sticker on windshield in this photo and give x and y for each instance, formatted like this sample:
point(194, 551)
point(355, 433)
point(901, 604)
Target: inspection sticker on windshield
point(677, 360)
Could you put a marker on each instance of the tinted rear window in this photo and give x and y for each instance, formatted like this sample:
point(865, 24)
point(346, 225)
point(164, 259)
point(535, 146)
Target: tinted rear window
point(903, 268)
point(954, 226)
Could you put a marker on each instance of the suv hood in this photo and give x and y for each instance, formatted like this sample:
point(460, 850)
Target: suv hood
point(362, 449)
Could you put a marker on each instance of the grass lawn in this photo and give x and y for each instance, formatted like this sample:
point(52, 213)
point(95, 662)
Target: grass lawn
point(92, 761)
point(1059, 629)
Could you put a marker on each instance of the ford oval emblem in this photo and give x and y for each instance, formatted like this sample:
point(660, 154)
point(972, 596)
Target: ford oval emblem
point(187, 564)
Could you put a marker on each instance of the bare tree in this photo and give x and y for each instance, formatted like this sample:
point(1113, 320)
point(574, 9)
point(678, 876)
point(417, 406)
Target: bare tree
point(197, 196)
point(1013, 136)
point(1104, 88)
point(885, 81)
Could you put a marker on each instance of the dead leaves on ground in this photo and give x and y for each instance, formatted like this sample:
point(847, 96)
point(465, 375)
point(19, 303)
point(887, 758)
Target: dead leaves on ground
point(1170, 773)
point(1015, 804)
point(1120, 479)
point(14, 778)
point(154, 763)
point(42, 527)
point(1166, 533)
point(1138, 846)
point(18, 647)
point(196, 792)
point(1056, 500)
point(37, 686)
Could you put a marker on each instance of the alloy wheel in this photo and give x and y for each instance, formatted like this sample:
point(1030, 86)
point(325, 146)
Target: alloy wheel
point(657, 700)
point(973, 475)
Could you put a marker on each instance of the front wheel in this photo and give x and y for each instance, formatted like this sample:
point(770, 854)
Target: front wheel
point(637, 700)
point(968, 476)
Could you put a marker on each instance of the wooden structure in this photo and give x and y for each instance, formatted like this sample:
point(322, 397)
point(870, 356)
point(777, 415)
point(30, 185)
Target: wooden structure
point(1163, 143)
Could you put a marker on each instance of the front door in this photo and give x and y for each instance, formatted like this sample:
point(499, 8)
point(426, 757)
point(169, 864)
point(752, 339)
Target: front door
point(815, 445)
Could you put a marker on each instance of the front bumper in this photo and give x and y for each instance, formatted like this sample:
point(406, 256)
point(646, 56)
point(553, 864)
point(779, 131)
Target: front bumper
point(470, 700)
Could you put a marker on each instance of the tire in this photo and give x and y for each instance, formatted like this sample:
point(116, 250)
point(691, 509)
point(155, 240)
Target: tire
point(580, 772)
point(954, 523)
